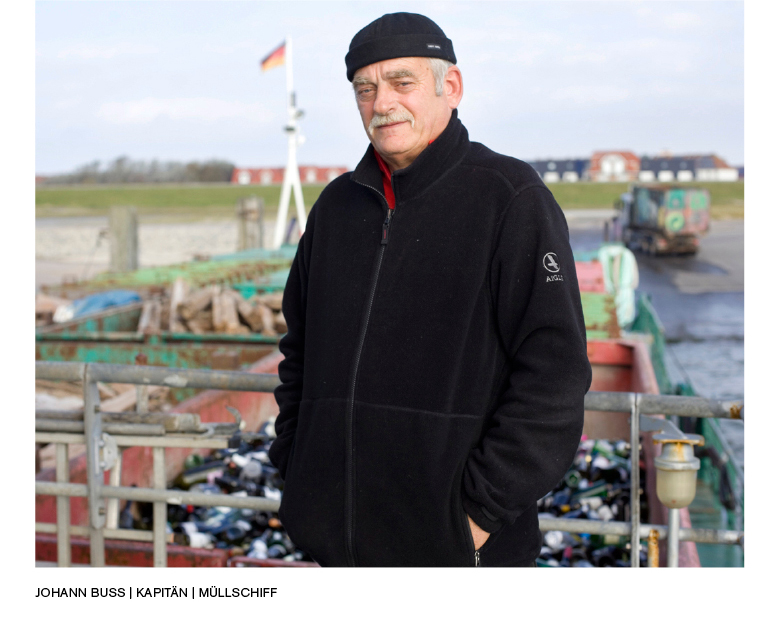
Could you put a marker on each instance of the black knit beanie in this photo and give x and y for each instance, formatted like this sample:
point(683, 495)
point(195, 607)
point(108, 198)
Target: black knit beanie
point(397, 35)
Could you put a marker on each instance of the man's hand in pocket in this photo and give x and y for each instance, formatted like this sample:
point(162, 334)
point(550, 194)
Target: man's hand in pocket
point(480, 536)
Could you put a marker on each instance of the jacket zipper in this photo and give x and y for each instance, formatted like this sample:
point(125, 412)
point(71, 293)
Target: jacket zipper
point(386, 225)
point(351, 553)
point(471, 541)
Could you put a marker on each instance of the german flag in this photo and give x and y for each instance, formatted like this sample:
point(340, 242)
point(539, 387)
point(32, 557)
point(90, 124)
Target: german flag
point(274, 59)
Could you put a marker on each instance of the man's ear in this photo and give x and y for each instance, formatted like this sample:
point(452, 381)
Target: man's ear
point(453, 86)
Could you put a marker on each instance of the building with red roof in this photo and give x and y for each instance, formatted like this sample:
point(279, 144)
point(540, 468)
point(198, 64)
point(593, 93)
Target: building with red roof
point(275, 175)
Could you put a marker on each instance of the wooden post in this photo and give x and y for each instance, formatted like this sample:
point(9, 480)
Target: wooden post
point(250, 222)
point(179, 292)
point(241, 213)
point(259, 226)
point(142, 392)
point(123, 234)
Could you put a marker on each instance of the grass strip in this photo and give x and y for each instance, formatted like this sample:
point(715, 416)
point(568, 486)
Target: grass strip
point(219, 200)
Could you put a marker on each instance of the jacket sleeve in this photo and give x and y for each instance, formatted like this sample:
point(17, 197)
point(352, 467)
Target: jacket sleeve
point(288, 394)
point(530, 438)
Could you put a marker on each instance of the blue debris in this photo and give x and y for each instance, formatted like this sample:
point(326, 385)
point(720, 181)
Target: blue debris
point(101, 301)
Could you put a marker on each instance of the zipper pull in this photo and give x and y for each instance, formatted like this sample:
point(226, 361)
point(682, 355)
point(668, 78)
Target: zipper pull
point(386, 226)
point(476, 559)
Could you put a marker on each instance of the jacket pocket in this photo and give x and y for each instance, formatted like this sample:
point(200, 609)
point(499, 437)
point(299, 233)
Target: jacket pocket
point(408, 473)
point(312, 508)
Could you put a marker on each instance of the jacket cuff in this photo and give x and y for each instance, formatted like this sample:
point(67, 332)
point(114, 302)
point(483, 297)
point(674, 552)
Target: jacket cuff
point(480, 515)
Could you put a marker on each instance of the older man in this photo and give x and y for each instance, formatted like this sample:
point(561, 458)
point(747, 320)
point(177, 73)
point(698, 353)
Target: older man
point(435, 365)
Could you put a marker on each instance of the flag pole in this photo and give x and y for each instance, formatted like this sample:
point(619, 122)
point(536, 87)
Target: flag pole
point(292, 176)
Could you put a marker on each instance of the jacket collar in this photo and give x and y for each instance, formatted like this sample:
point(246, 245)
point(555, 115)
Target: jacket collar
point(432, 163)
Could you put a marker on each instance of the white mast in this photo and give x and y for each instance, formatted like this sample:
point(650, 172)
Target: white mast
point(292, 177)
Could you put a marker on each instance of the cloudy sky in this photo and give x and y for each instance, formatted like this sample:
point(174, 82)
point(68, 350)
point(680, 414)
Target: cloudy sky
point(181, 80)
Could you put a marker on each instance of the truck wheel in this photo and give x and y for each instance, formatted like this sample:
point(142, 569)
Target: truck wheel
point(653, 248)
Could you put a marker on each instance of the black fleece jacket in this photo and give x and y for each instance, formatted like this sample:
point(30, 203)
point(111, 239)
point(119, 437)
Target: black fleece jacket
point(435, 363)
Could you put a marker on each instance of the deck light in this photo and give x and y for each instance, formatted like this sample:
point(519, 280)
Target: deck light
point(676, 469)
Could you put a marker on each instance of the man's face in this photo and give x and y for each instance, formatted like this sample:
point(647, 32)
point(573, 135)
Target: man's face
point(399, 108)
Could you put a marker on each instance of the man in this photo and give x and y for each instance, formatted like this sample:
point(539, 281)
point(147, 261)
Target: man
point(435, 365)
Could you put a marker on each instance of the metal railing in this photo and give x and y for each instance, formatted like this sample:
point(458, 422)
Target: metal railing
point(101, 436)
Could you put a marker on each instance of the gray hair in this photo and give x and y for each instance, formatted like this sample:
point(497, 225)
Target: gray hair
point(439, 67)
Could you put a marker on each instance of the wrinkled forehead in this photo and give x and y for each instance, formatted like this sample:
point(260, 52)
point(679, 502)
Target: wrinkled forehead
point(387, 70)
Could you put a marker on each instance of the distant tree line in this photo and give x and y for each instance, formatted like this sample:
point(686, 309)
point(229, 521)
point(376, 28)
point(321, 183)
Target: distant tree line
point(125, 170)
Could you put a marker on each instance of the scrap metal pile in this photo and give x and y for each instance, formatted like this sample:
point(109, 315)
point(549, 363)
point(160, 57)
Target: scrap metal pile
point(243, 470)
point(597, 486)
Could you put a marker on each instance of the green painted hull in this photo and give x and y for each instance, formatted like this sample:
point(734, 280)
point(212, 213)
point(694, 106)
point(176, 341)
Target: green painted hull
point(716, 482)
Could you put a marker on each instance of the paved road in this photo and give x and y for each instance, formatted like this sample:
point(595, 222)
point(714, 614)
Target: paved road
point(696, 297)
point(701, 297)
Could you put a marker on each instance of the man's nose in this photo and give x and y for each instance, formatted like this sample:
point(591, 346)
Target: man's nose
point(384, 102)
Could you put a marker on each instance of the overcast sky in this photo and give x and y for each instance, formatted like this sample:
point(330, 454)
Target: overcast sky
point(181, 80)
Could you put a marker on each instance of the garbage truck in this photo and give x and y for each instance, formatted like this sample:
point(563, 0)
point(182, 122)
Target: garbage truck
point(664, 219)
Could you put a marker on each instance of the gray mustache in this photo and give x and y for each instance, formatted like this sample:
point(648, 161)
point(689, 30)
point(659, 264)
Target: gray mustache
point(378, 120)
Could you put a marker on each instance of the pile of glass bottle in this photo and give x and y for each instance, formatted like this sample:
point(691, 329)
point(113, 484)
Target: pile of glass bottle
point(597, 486)
point(243, 469)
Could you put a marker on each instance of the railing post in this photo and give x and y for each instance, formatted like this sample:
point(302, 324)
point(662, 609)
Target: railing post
point(635, 509)
point(652, 548)
point(142, 392)
point(63, 507)
point(114, 479)
point(93, 431)
point(160, 510)
point(673, 539)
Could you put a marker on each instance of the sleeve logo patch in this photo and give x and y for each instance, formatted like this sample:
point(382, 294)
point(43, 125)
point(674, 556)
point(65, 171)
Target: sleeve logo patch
point(550, 263)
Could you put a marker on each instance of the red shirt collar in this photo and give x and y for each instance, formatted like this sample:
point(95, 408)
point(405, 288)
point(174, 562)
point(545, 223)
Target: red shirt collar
point(387, 183)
